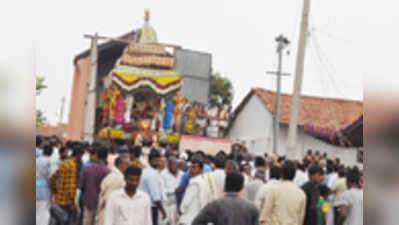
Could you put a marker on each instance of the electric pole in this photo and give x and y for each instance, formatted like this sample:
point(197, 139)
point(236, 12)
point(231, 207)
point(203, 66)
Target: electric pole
point(282, 43)
point(60, 130)
point(90, 112)
point(295, 105)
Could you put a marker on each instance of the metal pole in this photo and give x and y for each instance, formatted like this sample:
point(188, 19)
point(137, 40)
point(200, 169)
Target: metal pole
point(295, 106)
point(61, 117)
point(277, 115)
point(91, 94)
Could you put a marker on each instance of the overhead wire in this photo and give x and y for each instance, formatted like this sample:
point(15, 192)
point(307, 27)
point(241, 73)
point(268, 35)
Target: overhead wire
point(332, 111)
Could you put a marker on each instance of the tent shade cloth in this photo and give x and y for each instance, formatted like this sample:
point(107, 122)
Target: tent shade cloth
point(162, 82)
point(351, 136)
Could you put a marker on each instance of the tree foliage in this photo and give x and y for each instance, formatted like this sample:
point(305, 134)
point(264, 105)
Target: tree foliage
point(40, 86)
point(40, 118)
point(221, 91)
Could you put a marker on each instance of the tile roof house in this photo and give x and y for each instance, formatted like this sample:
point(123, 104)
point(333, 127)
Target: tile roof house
point(253, 120)
point(47, 130)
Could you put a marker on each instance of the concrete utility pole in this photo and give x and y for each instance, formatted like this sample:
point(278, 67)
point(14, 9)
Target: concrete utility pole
point(295, 105)
point(282, 43)
point(61, 117)
point(90, 112)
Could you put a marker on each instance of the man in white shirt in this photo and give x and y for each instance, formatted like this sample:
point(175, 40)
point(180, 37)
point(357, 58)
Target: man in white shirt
point(129, 205)
point(170, 179)
point(301, 177)
point(218, 177)
point(351, 201)
point(261, 196)
point(285, 203)
point(195, 197)
point(151, 184)
point(112, 182)
point(252, 188)
point(337, 189)
point(112, 155)
point(332, 178)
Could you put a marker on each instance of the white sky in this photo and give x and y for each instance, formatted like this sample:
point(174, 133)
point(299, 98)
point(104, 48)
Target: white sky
point(356, 39)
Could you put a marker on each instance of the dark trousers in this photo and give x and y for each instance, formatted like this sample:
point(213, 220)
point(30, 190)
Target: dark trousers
point(336, 215)
point(154, 215)
point(70, 217)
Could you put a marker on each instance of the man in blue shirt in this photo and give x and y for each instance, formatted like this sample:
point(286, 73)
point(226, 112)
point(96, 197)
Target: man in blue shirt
point(39, 144)
point(150, 184)
point(185, 180)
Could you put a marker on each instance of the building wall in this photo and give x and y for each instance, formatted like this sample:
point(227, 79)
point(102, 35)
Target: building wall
point(255, 132)
point(78, 99)
point(254, 126)
point(195, 70)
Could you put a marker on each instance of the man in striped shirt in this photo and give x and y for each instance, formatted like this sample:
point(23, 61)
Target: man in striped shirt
point(63, 184)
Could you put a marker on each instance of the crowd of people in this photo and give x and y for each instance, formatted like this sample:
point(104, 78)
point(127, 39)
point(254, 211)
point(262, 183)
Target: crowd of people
point(96, 184)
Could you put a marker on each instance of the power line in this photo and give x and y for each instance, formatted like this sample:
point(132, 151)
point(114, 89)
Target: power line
point(331, 110)
point(328, 67)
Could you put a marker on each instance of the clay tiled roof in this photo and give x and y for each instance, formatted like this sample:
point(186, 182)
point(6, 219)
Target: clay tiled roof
point(47, 130)
point(316, 111)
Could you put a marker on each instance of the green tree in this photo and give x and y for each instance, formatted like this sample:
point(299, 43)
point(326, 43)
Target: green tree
point(40, 118)
point(221, 90)
point(40, 86)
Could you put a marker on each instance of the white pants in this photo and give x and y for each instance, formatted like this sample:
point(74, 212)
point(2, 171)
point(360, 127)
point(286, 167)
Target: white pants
point(42, 212)
point(330, 214)
point(89, 216)
point(172, 215)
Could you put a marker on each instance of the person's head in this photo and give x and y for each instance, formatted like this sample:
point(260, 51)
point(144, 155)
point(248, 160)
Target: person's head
point(198, 156)
point(337, 161)
point(102, 153)
point(135, 152)
point(246, 168)
point(259, 162)
point(231, 166)
point(275, 173)
point(196, 167)
point(260, 174)
point(316, 174)
point(39, 142)
point(341, 172)
point(301, 167)
point(353, 178)
point(182, 165)
point(174, 153)
point(317, 153)
point(48, 149)
point(208, 159)
point(93, 154)
point(234, 182)
point(162, 163)
point(221, 153)
point(154, 158)
point(122, 162)
point(324, 191)
point(63, 152)
point(325, 155)
point(310, 152)
point(132, 178)
point(77, 153)
point(173, 164)
point(112, 150)
point(220, 161)
point(288, 170)
point(330, 168)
